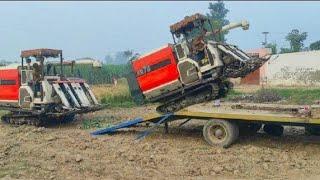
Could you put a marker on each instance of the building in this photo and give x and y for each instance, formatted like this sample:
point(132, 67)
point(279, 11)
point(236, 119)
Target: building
point(290, 69)
point(294, 69)
point(94, 62)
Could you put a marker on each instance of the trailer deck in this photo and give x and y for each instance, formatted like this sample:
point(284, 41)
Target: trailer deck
point(226, 121)
point(280, 114)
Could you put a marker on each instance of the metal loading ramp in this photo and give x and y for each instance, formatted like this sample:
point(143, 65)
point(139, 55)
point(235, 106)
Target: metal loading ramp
point(224, 123)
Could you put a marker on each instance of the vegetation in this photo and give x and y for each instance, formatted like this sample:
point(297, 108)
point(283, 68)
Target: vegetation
point(315, 45)
point(217, 14)
point(100, 121)
point(295, 39)
point(121, 57)
point(273, 47)
point(300, 96)
point(96, 75)
point(114, 96)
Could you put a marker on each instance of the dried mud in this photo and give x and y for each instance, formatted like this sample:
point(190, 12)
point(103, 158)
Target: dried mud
point(70, 152)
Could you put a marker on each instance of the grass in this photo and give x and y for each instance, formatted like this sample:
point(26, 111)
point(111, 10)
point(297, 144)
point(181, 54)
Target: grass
point(300, 96)
point(119, 96)
point(13, 170)
point(233, 94)
point(2, 112)
point(99, 122)
point(114, 96)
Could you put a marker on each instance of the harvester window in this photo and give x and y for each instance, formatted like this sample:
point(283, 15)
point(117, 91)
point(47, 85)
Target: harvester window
point(7, 82)
point(180, 51)
point(26, 76)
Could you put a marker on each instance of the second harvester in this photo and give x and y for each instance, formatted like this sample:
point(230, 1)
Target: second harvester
point(192, 70)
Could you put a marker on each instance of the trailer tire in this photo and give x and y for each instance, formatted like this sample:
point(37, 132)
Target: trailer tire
point(273, 129)
point(220, 133)
point(312, 130)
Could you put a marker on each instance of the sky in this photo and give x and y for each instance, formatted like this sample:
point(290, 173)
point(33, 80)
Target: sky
point(94, 29)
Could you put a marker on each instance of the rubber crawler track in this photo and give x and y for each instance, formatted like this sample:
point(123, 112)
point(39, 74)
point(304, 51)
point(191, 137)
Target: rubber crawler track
point(209, 92)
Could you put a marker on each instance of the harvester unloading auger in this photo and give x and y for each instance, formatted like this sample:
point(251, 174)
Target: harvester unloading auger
point(36, 94)
point(193, 70)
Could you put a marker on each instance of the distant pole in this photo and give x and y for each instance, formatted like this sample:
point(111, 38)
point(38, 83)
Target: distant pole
point(265, 38)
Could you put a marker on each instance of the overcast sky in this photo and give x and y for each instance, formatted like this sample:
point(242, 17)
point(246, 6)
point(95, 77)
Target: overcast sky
point(93, 29)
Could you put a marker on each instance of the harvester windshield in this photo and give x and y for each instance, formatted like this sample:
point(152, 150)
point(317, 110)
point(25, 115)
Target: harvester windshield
point(191, 27)
point(39, 55)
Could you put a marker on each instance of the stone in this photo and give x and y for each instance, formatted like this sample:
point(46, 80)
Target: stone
point(79, 158)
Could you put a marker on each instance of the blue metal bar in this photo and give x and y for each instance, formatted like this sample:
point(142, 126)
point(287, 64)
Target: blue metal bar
point(121, 125)
point(148, 131)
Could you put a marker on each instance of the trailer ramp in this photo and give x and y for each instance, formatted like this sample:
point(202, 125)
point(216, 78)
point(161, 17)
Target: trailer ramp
point(130, 123)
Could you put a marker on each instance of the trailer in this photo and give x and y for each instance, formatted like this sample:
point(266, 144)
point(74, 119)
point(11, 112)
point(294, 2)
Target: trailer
point(224, 124)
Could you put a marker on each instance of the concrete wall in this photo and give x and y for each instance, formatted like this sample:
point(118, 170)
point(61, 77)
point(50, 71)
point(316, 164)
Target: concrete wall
point(293, 69)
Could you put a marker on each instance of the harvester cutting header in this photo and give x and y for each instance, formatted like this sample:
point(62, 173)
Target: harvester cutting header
point(192, 70)
point(34, 95)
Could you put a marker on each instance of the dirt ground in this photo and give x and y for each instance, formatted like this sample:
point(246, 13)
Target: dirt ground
point(69, 152)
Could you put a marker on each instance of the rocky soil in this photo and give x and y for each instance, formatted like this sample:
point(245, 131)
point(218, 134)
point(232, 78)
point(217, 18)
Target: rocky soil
point(69, 152)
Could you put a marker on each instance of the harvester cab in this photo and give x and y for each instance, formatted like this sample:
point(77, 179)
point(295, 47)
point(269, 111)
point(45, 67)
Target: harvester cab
point(33, 72)
point(195, 42)
point(40, 95)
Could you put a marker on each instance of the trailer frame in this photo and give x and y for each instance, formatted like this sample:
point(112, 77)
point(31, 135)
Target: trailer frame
point(223, 127)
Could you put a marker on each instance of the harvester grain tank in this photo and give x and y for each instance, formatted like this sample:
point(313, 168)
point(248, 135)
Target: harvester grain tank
point(192, 70)
point(34, 93)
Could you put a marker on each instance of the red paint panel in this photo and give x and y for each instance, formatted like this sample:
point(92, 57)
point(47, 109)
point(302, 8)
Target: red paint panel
point(9, 92)
point(154, 78)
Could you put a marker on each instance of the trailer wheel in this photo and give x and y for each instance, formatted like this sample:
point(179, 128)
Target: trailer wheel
point(273, 129)
point(220, 133)
point(249, 128)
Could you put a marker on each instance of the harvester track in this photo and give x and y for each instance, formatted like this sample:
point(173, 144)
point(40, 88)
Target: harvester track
point(206, 93)
point(20, 119)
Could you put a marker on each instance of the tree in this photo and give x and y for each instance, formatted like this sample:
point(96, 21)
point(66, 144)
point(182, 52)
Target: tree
point(128, 53)
point(285, 50)
point(315, 45)
point(296, 39)
point(273, 47)
point(217, 15)
point(108, 59)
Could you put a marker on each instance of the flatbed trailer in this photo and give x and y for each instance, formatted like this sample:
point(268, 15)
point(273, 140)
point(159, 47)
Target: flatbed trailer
point(225, 123)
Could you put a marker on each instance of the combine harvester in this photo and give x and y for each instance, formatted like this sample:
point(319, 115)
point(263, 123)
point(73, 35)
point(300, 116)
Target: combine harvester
point(36, 96)
point(193, 70)
point(185, 75)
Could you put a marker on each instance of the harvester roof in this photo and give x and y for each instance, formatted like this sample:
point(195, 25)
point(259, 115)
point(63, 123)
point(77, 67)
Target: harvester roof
point(41, 53)
point(186, 23)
